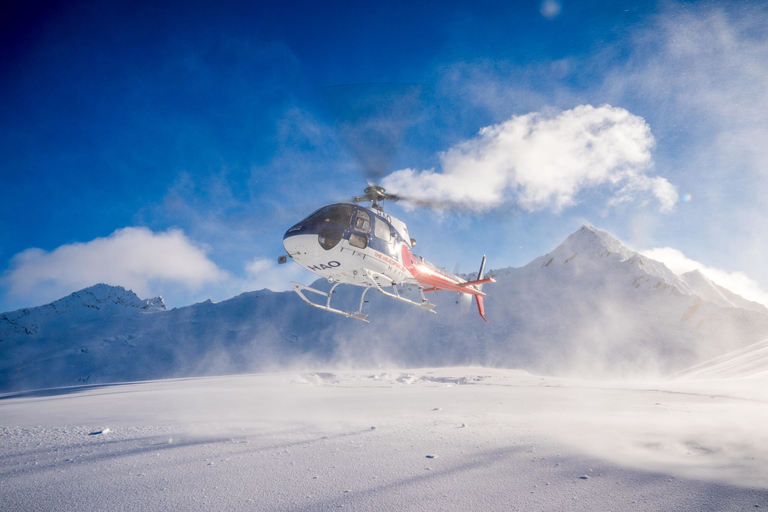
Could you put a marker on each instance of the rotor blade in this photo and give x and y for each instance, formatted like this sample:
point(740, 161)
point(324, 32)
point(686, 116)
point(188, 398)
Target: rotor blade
point(436, 204)
point(391, 197)
point(371, 120)
point(432, 204)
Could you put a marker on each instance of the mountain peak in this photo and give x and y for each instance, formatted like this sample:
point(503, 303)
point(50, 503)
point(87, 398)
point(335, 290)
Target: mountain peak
point(588, 242)
point(592, 239)
point(100, 296)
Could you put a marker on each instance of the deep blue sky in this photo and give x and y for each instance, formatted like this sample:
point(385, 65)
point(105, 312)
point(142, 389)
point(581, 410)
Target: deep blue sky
point(211, 120)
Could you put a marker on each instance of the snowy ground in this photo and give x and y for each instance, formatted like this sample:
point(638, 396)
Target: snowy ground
point(427, 439)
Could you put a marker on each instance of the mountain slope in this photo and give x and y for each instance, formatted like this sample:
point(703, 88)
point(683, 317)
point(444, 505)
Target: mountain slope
point(716, 294)
point(591, 307)
point(750, 361)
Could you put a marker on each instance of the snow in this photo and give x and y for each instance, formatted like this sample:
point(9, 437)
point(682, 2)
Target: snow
point(460, 438)
point(716, 294)
point(749, 361)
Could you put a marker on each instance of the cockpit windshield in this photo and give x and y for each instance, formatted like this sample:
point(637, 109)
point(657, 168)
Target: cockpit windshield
point(338, 214)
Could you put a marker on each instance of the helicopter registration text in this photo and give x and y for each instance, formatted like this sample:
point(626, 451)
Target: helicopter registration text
point(324, 266)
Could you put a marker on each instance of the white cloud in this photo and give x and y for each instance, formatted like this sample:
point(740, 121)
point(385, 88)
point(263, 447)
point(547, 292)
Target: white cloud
point(135, 258)
point(737, 282)
point(543, 161)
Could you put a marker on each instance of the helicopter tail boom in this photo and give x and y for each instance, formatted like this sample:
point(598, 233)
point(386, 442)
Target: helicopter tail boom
point(477, 283)
point(427, 275)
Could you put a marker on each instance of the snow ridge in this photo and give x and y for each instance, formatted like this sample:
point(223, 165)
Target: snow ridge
point(101, 296)
point(97, 298)
point(716, 294)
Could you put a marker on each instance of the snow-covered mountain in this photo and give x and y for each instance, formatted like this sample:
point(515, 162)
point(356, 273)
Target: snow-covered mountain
point(591, 307)
point(95, 301)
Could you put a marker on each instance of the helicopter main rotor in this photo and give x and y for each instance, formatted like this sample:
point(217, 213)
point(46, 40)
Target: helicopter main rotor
point(374, 194)
point(372, 120)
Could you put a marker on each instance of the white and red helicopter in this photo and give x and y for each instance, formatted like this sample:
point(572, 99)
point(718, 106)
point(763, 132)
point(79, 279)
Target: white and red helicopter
point(351, 244)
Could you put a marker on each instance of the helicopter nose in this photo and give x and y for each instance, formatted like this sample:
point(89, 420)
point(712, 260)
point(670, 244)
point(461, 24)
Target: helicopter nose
point(325, 236)
point(295, 244)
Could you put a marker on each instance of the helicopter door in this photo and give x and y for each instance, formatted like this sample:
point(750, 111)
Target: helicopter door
point(363, 225)
point(383, 231)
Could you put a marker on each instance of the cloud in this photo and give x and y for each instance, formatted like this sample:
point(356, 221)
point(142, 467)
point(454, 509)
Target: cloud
point(737, 282)
point(543, 161)
point(132, 257)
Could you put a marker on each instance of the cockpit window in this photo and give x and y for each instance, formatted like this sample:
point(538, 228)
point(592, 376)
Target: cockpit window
point(381, 230)
point(338, 214)
point(363, 222)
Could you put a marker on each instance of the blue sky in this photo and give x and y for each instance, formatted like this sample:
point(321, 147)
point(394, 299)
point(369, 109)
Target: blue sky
point(166, 147)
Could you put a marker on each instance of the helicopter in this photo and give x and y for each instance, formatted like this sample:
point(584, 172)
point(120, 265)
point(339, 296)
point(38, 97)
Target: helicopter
point(347, 243)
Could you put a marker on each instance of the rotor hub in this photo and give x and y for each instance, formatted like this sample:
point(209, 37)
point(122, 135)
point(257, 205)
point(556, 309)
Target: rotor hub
point(375, 194)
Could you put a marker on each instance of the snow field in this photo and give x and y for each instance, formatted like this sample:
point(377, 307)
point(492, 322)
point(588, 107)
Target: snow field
point(421, 439)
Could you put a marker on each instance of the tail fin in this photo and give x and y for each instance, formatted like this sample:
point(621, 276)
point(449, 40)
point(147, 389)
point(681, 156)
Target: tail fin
point(481, 306)
point(479, 299)
point(480, 274)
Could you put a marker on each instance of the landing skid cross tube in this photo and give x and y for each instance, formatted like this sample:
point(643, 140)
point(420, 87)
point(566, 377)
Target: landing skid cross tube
point(359, 315)
point(372, 278)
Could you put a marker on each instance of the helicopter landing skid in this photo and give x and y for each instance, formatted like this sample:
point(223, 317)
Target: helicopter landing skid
point(372, 278)
point(359, 315)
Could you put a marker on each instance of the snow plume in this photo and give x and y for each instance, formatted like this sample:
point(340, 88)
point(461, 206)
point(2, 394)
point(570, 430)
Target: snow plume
point(263, 273)
point(713, 64)
point(131, 257)
point(543, 161)
point(737, 282)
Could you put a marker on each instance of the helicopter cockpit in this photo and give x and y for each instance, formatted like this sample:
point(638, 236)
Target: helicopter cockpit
point(338, 214)
point(360, 226)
